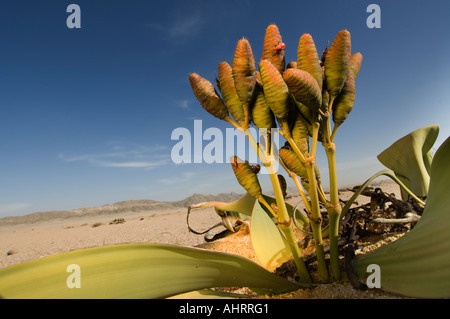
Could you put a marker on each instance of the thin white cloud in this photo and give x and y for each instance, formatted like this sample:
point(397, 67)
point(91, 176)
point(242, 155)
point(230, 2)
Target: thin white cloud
point(123, 156)
point(184, 104)
point(90, 157)
point(169, 181)
point(182, 178)
point(185, 25)
point(146, 165)
point(180, 27)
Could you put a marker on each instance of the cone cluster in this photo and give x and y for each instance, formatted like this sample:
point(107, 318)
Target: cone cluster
point(297, 93)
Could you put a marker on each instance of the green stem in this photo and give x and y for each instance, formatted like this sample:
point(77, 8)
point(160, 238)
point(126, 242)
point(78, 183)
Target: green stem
point(322, 196)
point(268, 140)
point(315, 136)
point(302, 193)
point(297, 183)
point(334, 132)
point(316, 221)
point(315, 217)
point(330, 105)
point(284, 223)
point(334, 213)
point(334, 209)
point(298, 259)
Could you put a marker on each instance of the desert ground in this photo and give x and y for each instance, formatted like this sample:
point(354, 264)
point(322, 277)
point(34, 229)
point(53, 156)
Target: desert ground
point(37, 235)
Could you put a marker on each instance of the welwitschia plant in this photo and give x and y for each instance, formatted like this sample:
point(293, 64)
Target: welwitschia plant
point(307, 101)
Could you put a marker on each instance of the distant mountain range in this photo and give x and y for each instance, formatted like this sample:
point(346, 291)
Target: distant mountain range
point(144, 205)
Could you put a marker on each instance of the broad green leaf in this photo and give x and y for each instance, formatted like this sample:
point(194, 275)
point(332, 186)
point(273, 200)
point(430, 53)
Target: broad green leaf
point(270, 246)
point(410, 159)
point(136, 271)
point(418, 264)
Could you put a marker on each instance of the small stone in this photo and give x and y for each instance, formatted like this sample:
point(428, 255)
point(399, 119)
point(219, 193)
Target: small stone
point(10, 252)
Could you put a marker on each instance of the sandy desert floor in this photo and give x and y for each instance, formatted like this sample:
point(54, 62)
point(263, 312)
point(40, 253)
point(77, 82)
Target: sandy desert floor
point(23, 242)
point(27, 241)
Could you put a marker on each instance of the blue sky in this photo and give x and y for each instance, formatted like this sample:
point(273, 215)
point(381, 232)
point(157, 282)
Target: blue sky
point(87, 114)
